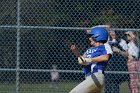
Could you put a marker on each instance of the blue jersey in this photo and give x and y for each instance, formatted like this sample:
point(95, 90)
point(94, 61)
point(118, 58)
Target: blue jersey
point(94, 52)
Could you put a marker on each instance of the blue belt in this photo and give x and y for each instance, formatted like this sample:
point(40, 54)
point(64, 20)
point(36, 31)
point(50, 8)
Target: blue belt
point(88, 74)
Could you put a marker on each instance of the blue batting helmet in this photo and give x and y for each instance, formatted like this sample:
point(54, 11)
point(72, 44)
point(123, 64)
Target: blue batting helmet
point(98, 34)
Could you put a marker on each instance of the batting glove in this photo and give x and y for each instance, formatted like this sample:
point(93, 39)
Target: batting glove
point(83, 61)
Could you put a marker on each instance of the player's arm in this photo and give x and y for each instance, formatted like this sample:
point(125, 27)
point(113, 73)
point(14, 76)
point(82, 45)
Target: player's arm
point(101, 58)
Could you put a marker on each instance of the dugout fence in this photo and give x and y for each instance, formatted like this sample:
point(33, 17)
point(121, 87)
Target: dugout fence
point(35, 34)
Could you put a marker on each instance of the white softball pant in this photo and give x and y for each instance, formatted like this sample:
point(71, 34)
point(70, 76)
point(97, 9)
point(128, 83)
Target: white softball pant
point(93, 84)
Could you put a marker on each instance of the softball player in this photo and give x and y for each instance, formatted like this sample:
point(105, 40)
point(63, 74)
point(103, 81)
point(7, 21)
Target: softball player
point(94, 61)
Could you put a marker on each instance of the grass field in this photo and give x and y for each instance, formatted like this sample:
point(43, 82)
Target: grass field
point(64, 87)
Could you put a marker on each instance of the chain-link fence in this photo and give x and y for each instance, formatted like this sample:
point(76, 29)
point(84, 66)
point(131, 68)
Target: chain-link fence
point(35, 35)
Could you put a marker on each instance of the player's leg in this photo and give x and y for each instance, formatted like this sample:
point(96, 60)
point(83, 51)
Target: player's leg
point(89, 86)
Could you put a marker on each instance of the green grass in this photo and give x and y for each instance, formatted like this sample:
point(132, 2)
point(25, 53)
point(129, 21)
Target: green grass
point(124, 88)
point(45, 87)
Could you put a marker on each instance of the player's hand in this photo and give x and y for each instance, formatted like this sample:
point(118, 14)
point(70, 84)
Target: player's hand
point(83, 61)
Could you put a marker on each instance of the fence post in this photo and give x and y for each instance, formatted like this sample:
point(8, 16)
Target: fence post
point(18, 49)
